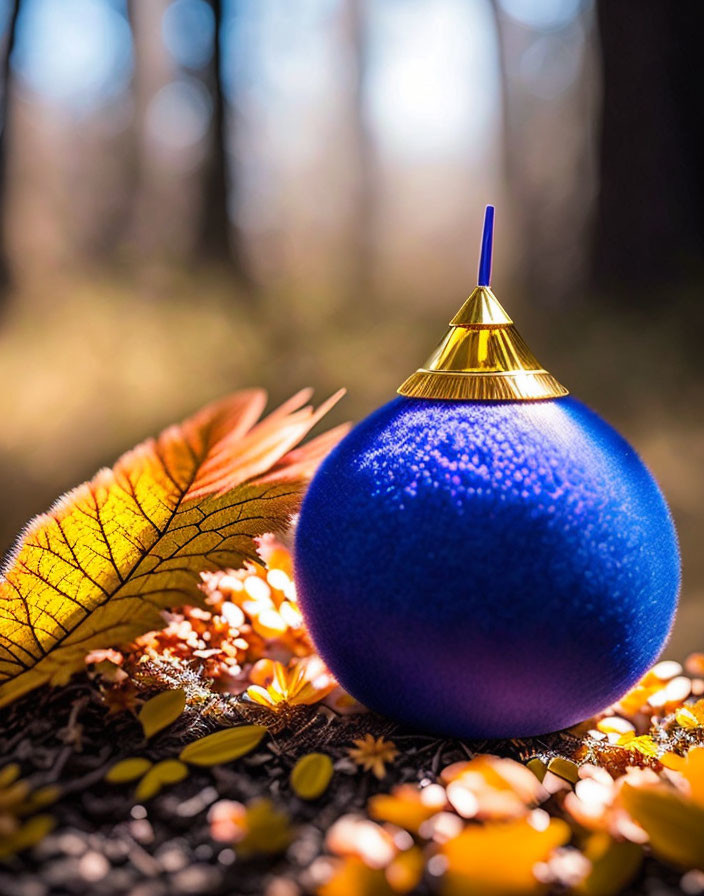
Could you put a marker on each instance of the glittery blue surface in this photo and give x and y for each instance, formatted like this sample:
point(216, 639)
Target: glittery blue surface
point(486, 569)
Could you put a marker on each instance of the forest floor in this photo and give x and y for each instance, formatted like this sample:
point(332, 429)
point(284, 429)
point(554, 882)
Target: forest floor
point(101, 792)
point(104, 841)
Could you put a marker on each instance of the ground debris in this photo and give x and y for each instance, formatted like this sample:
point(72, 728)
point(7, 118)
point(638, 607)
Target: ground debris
point(401, 813)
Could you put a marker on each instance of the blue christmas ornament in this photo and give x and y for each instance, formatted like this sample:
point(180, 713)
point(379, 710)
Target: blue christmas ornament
point(484, 556)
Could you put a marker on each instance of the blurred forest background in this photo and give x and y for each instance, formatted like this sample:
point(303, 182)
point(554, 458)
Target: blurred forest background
point(199, 195)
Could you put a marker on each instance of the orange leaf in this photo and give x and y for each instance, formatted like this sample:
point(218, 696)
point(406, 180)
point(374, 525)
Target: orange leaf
point(351, 877)
point(498, 859)
point(692, 767)
point(96, 570)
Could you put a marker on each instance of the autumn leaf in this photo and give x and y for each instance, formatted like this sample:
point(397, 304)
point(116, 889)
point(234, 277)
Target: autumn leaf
point(352, 877)
point(408, 806)
point(128, 770)
point(477, 858)
point(311, 775)
point(674, 823)
point(31, 833)
point(614, 864)
point(223, 746)
point(168, 771)
point(97, 569)
point(161, 711)
point(256, 829)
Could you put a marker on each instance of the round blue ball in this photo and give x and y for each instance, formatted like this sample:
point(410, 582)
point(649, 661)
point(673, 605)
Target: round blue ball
point(486, 570)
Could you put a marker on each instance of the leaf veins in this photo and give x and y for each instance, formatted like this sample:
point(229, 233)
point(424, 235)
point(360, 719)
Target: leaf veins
point(98, 567)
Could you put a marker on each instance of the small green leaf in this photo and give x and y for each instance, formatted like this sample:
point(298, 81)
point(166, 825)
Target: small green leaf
point(311, 776)
point(223, 746)
point(128, 770)
point(161, 711)
point(170, 771)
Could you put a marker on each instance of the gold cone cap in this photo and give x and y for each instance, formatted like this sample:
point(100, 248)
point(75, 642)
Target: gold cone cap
point(482, 357)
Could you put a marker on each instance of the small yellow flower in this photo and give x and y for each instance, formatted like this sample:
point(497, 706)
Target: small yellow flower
point(291, 687)
point(372, 753)
point(645, 745)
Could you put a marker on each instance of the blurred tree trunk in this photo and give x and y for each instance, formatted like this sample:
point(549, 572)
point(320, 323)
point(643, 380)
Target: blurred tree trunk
point(219, 239)
point(150, 231)
point(548, 152)
point(650, 217)
point(7, 84)
point(362, 197)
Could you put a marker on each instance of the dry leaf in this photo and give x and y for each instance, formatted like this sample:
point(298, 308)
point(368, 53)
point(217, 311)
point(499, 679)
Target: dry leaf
point(311, 776)
point(128, 770)
point(614, 865)
point(564, 768)
point(28, 835)
point(498, 859)
point(161, 711)
point(404, 873)
point(39, 799)
point(257, 828)
point(352, 877)
point(408, 806)
point(265, 829)
point(9, 774)
point(691, 715)
point(692, 768)
point(97, 568)
point(674, 824)
point(223, 746)
point(170, 771)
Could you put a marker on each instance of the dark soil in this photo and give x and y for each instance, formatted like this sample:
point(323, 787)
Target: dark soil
point(106, 844)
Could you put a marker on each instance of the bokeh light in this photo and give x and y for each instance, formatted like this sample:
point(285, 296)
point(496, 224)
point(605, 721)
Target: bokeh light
point(542, 14)
point(434, 80)
point(178, 116)
point(75, 53)
point(188, 30)
point(551, 64)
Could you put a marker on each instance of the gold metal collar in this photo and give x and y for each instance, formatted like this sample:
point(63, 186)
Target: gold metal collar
point(482, 357)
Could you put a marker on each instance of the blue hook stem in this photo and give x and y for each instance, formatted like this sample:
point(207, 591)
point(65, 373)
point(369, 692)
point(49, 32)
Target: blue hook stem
point(484, 278)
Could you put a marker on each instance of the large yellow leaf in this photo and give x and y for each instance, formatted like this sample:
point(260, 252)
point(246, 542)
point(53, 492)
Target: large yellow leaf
point(98, 567)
